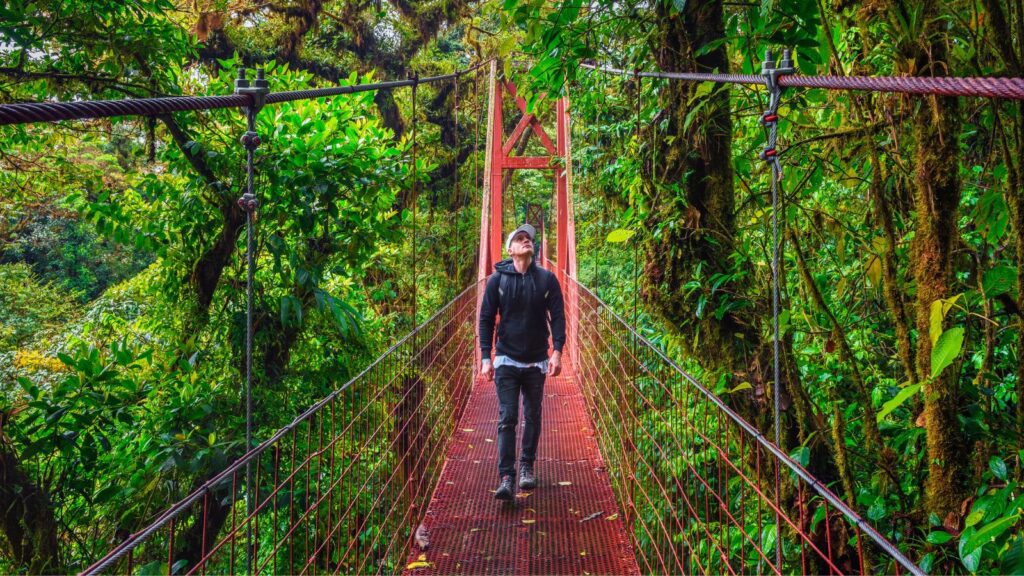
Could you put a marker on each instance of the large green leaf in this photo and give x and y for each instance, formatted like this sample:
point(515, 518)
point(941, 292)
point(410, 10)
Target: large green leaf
point(901, 397)
point(990, 532)
point(937, 314)
point(1013, 558)
point(938, 537)
point(999, 280)
point(998, 467)
point(620, 235)
point(946, 349)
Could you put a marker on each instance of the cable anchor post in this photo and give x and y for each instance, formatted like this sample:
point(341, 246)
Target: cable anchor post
point(770, 119)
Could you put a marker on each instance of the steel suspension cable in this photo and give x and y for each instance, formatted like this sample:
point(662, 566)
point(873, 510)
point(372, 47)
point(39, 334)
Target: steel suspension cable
point(770, 119)
point(476, 146)
point(414, 202)
point(458, 200)
point(983, 87)
point(249, 203)
point(28, 112)
point(639, 159)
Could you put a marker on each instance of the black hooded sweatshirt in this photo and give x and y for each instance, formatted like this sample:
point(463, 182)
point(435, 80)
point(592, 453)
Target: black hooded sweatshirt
point(526, 302)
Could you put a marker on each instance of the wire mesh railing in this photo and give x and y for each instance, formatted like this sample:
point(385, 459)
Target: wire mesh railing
point(702, 491)
point(340, 489)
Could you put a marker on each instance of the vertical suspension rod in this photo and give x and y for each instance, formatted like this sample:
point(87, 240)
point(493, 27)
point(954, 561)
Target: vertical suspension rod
point(770, 119)
point(415, 82)
point(258, 91)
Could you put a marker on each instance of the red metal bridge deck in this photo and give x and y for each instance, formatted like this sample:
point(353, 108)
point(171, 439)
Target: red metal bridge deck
point(570, 523)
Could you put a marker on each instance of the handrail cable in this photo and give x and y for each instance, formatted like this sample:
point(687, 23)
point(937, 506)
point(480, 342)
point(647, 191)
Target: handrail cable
point(775, 79)
point(181, 506)
point(985, 87)
point(29, 112)
point(765, 443)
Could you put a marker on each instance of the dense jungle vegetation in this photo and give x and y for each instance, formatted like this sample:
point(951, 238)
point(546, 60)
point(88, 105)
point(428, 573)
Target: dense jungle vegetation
point(122, 277)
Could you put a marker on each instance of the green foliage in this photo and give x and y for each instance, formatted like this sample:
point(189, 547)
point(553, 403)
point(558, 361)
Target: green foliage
point(834, 144)
point(28, 307)
point(68, 253)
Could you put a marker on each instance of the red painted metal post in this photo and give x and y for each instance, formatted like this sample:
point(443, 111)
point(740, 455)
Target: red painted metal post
point(497, 168)
point(562, 189)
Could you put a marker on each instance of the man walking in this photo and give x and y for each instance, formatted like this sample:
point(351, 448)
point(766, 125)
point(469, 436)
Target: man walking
point(529, 299)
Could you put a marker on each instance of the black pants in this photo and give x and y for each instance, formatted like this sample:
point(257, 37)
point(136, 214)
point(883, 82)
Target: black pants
point(511, 382)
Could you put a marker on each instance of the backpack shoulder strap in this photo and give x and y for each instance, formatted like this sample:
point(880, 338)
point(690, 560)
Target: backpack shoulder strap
point(502, 285)
point(545, 283)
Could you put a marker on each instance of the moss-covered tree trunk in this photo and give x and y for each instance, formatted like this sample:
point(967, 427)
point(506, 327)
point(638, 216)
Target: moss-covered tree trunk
point(936, 198)
point(693, 210)
point(27, 517)
point(697, 227)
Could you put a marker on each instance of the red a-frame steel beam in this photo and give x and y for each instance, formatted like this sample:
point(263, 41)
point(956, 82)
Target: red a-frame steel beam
point(500, 160)
point(534, 124)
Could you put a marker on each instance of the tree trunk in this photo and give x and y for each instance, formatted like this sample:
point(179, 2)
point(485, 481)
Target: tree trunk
point(890, 270)
point(27, 517)
point(702, 224)
point(936, 199)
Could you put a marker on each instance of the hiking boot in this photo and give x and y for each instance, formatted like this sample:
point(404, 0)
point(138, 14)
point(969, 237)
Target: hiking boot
point(505, 490)
point(526, 478)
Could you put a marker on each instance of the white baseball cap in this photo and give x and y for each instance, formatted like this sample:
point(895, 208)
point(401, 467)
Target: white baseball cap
point(530, 230)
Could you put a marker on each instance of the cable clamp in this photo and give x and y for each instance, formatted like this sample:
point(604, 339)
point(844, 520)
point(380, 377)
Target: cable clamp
point(258, 89)
point(248, 203)
point(771, 74)
point(250, 140)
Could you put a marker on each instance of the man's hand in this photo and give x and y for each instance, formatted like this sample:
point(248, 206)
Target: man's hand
point(486, 369)
point(555, 364)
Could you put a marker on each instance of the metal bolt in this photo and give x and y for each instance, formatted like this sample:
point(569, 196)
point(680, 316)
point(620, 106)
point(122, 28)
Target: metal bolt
point(241, 81)
point(787, 59)
point(261, 81)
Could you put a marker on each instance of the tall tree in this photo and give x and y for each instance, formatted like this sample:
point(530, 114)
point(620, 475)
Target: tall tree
point(924, 36)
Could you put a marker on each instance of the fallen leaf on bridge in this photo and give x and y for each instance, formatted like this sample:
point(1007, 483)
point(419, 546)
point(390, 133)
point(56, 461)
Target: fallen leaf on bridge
point(565, 483)
point(613, 516)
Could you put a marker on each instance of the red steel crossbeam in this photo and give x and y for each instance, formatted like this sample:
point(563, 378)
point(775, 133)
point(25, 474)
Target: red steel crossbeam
point(529, 119)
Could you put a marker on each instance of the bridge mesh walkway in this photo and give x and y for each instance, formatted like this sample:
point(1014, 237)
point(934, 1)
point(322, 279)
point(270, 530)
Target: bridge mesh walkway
point(569, 524)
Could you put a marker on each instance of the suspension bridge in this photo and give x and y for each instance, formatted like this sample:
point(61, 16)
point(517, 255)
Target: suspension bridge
point(641, 468)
